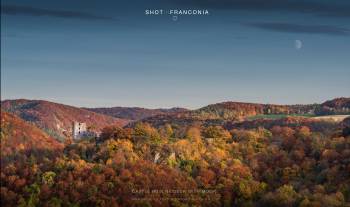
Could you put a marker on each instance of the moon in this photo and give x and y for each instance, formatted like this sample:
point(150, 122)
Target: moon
point(298, 44)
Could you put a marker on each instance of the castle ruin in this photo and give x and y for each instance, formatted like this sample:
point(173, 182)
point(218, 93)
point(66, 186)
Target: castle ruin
point(79, 130)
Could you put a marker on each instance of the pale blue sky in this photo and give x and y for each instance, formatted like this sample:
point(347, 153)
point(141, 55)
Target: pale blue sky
point(111, 54)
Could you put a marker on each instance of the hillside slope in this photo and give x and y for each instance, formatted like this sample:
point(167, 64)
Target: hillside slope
point(56, 119)
point(236, 110)
point(18, 135)
point(337, 106)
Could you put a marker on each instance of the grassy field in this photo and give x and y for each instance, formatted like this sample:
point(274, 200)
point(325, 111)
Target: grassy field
point(277, 116)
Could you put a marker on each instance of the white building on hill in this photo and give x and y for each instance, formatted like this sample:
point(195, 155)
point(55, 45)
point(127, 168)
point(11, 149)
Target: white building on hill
point(79, 130)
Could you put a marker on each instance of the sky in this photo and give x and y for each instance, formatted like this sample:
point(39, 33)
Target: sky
point(93, 53)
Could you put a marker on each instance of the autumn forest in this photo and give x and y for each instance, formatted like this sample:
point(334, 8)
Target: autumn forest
point(226, 154)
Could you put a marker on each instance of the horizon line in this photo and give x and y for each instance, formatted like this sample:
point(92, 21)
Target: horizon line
point(155, 108)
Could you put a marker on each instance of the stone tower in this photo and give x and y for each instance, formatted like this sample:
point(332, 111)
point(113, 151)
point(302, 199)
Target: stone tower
point(79, 130)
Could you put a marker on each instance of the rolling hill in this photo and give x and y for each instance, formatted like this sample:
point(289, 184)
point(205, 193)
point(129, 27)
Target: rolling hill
point(337, 103)
point(337, 106)
point(134, 113)
point(238, 110)
point(217, 114)
point(56, 119)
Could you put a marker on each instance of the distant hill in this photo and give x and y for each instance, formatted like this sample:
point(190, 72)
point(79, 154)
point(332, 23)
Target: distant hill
point(179, 119)
point(216, 114)
point(237, 110)
point(135, 113)
point(333, 107)
point(18, 135)
point(337, 103)
point(56, 119)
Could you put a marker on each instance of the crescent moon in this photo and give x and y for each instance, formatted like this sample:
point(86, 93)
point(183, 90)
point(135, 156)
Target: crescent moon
point(298, 44)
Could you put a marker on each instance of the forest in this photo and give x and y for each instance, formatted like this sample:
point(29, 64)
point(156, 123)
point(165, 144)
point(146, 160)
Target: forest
point(262, 163)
